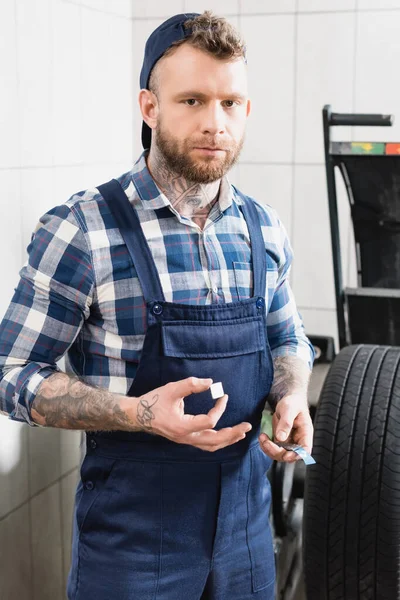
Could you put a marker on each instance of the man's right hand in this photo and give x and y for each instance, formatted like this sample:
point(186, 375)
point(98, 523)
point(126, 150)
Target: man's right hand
point(161, 412)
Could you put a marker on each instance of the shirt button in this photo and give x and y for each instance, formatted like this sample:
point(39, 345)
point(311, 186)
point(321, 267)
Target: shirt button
point(93, 444)
point(89, 485)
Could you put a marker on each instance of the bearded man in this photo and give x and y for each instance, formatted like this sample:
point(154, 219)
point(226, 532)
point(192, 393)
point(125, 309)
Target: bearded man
point(154, 285)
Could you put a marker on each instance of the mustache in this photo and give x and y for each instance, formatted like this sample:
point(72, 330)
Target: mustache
point(213, 145)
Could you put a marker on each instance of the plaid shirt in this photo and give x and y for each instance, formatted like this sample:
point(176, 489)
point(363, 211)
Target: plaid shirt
point(79, 293)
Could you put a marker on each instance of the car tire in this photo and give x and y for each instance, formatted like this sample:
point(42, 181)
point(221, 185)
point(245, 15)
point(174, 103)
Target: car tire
point(351, 521)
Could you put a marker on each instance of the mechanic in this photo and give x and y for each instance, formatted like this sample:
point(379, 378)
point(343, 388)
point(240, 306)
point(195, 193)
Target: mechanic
point(154, 285)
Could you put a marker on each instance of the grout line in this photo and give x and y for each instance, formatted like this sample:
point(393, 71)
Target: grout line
point(155, 18)
point(98, 10)
point(133, 83)
point(269, 14)
point(294, 127)
point(81, 104)
point(65, 166)
point(28, 500)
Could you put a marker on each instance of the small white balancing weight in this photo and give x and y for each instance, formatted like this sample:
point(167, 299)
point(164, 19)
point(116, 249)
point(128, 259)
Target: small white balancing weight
point(217, 391)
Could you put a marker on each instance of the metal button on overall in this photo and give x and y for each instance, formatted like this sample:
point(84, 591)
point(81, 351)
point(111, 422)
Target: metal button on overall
point(157, 309)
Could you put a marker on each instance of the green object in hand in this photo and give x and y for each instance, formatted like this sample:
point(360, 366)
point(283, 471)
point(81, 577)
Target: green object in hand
point(266, 423)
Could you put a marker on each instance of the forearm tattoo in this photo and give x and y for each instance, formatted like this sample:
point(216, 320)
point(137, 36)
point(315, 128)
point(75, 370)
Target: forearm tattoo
point(65, 401)
point(291, 375)
point(144, 414)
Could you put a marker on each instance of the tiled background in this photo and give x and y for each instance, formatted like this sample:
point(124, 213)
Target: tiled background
point(69, 120)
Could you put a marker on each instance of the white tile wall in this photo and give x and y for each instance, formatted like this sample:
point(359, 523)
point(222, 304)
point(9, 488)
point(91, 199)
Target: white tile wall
point(312, 270)
point(47, 545)
point(219, 7)
point(66, 84)
point(267, 6)
point(107, 87)
point(34, 24)
point(325, 75)
point(326, 5)
point(10, 235)
point(44, 457)
point(95, 175)
point(70, 450)
point(15, 556)
point(37, 197)
point(270, 52)
point(378, 4)
point(320, 322)
point(66, 182)
point(154, 8)
point(9, 116)
point(122, 8)
point(13, 466)
point(377, 85)
point(270, 184)
point(234, 176)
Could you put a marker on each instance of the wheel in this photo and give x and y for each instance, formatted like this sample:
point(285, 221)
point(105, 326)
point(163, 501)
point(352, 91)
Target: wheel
point(351, 522)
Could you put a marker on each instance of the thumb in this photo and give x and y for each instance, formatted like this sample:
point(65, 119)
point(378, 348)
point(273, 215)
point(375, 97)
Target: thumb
point(190, 385)
point(284, 426)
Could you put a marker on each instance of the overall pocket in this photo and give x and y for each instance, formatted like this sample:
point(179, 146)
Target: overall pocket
point(96, 478)
point(227, 351)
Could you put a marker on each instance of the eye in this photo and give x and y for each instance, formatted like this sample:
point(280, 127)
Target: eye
point(191, 101)
point(231, 103)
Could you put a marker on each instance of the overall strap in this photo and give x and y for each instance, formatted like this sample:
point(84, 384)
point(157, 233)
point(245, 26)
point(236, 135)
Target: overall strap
point(132, 233)
point(258, 252)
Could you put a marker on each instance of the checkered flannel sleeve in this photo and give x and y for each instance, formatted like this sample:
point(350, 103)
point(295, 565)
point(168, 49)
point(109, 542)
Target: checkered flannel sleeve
point(285, 328)
point(46, 312)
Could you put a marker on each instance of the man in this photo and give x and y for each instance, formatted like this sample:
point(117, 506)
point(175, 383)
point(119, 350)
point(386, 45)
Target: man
point(156, 284)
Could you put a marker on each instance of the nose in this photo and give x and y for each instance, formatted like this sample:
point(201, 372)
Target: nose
point(213, 120)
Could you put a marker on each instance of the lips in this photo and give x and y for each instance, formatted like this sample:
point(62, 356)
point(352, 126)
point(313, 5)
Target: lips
point(210, 149)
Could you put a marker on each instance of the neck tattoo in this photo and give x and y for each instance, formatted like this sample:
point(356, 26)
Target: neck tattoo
point(190, 199)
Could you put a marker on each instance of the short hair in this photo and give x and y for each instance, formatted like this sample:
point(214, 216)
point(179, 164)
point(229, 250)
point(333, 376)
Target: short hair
point(211, 34)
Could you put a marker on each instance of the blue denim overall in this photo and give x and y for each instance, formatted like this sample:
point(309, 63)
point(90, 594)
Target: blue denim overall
point(156, 520)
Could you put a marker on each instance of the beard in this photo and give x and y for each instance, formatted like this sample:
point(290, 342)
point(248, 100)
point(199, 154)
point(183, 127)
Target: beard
point(205, 169)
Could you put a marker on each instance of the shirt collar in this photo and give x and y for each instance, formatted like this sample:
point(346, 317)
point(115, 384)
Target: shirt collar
point(153, 198)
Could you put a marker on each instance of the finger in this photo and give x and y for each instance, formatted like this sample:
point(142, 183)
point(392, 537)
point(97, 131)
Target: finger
point(198, 423)
point(210, 439)
point(190, 385)
point(276, 452)
point(285, 420)
point(304, 436)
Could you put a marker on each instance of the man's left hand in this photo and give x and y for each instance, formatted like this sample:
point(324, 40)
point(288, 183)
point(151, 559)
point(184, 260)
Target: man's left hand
point(291, 424)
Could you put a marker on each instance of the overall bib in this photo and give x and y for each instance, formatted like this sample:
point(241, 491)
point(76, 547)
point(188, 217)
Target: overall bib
point(156, 520)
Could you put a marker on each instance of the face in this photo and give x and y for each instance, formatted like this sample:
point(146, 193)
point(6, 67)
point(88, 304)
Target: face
point(200, 112)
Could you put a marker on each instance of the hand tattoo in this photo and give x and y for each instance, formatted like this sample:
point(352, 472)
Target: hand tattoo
point(144, 413)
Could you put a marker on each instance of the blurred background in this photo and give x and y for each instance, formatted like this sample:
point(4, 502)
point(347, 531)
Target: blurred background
point(69, 120)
